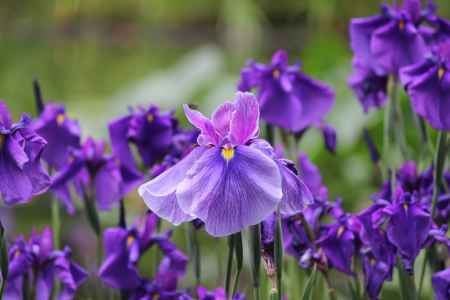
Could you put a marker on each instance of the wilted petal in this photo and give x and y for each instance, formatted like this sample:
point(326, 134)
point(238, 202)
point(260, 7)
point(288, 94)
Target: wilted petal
point(159, 193)
point(231, 194)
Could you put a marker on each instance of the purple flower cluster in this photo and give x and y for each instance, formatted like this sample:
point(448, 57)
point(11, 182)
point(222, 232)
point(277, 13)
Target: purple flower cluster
point(35, 266)
point(409, 43)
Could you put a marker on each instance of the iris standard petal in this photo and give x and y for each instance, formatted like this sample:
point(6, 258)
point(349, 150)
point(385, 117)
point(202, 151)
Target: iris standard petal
point(245, 120)
point(159, 193)
point(118, 132)
point(221, 118)
point(230, 193)
point(197, 119)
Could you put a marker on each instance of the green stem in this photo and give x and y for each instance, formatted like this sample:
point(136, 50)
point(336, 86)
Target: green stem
point(56, 223)
point(422, 273)
point(194, 247)
point(239, 260)
point(407, 284)
point(4, 260)
point(255, 244)
point(279, 255)
point(439, 163)
point(229, 265)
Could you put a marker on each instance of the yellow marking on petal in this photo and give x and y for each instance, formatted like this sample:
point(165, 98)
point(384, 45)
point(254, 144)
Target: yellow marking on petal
point(340, 231)
point(373, 261)
point(228, 153)
point(60, 119)
point(16, 253)
point(117, 162)
point(2, 140)
point(405, 206)
point(441, 72)
point(155, 297)
point(150, 118)
point(401, 24)
point(130, 240)
point(276, 73)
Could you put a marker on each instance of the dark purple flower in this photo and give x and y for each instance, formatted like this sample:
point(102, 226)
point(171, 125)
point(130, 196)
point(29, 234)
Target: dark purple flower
point(310, 175)
point(231, 180)
point(148, 129)
point(338, 245)
point(441, 284)
point(38, 260)
point(97, 174)
point(389, 41)
point(329, 137)
point(124, 248)
point(288, 98)
point(60, 132)
point(428, 85)
point(217, 294)
point(20, 160)
point(369, 87)
point(408, 227)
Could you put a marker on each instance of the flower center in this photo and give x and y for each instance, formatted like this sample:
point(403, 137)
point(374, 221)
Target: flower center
point(401, 24)
point(228, 153)
point(150, 118)
point(60, 119)
point(130, 240)
point(276, 73)
point(441, 72)
point(340, 231)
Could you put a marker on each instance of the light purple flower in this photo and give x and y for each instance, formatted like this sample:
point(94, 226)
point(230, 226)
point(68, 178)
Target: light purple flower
point(20, 160)
point(231, 180)
point(288, 98)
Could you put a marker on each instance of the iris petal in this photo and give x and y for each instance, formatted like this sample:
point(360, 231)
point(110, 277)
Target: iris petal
point(231, 195)
point(159, 193)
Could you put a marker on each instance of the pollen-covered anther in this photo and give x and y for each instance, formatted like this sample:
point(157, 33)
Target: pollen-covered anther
point(441, 72)
point(276, 73)
point(60, 119)
point(340, 231)
point(130, 240)
point(228, 153)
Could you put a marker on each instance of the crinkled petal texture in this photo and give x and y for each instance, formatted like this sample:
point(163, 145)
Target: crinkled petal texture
point(231, 194)
point(159, 193)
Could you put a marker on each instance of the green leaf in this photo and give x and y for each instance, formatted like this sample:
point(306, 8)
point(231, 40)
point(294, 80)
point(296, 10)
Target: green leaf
point(255, 252)
point(239, 259)
point(310, 284)
point(229, 265)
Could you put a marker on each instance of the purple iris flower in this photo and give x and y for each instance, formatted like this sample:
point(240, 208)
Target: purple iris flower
point(93, 171)
point(329, 137)
point(406, 218)
point(389, 41)
point(369, 87)
point(217, 294)
point(60, 132)
point(231, 180)
point(310, 175)
point(38, 259)
point(148, 129)
point(377, 253)
point(20, 160)
point(124, 248)
point(428, 85)
point(288, 98)
point(338, 244)
point(441, 284)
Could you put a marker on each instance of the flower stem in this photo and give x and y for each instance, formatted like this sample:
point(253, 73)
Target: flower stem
point(194, 247)
point(229, 265)
point(56, 223)
point(439, 162)
point(255, 244)
point(422, 273)
point(239, 260)
point(279, 254)
point(122, 214)
point(4, 260)
point(38, 96)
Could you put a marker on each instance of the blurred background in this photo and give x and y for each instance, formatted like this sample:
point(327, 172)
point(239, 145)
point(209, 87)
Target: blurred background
point(98, 57)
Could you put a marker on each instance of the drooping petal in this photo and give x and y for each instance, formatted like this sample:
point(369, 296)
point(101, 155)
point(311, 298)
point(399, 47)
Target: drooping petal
point(108, 186)
point(5, 116)
point(441, 284)
point(233, 192)
point(159, 193)
point(296, 194)
point(118, 132)
point(245, 120)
